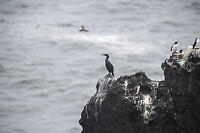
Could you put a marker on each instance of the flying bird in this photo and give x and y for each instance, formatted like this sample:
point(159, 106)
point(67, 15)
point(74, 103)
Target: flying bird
point(83, 29)
point(108, 64)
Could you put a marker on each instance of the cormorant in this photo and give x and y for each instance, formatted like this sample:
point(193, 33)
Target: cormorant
point(109, 66)
point(174, 47)
point(83, 29)
point(181, 51)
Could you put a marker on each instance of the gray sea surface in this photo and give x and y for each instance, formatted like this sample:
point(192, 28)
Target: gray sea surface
point(49, 70)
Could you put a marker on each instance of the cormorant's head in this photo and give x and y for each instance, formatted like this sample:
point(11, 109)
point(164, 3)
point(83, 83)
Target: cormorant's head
point(176, 42)
point(107, 56)
point(181, 51)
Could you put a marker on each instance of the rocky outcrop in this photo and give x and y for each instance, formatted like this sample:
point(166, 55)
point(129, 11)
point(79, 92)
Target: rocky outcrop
point(136, 104)
point(182, 75)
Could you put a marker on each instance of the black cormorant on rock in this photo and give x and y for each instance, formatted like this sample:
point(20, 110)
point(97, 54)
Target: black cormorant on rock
point(83, 29)
point(108, 64)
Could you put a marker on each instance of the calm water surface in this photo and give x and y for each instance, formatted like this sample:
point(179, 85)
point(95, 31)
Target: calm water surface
point(48, 70)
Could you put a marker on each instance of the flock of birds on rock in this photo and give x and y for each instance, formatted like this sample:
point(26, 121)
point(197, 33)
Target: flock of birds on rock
point(174, 48)
point(190, 47)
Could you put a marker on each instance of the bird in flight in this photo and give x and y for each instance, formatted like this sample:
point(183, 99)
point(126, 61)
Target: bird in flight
point(83, 29)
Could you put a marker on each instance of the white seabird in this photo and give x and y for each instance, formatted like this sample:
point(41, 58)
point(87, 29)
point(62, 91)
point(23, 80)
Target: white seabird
point(138, 89)
point(190, 47)
point(174, 47)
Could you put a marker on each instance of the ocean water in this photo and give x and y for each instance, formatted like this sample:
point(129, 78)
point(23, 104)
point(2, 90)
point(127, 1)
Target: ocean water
point(49, 70)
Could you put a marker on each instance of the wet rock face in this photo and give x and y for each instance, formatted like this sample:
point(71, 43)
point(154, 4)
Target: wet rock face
point(183, 79)
point(136, 104)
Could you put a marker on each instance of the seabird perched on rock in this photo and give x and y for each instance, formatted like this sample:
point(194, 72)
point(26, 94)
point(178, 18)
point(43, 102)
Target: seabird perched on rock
point(138, 89)
point(181, 54)
point(108, 64)
point(83, 29)
point(191, 47)
point(174, 47)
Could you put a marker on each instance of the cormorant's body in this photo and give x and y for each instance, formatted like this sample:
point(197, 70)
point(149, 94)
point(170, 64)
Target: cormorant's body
point(108, 64)
point(109, 67)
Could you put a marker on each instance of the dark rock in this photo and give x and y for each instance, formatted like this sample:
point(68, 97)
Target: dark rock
point(136, 104)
